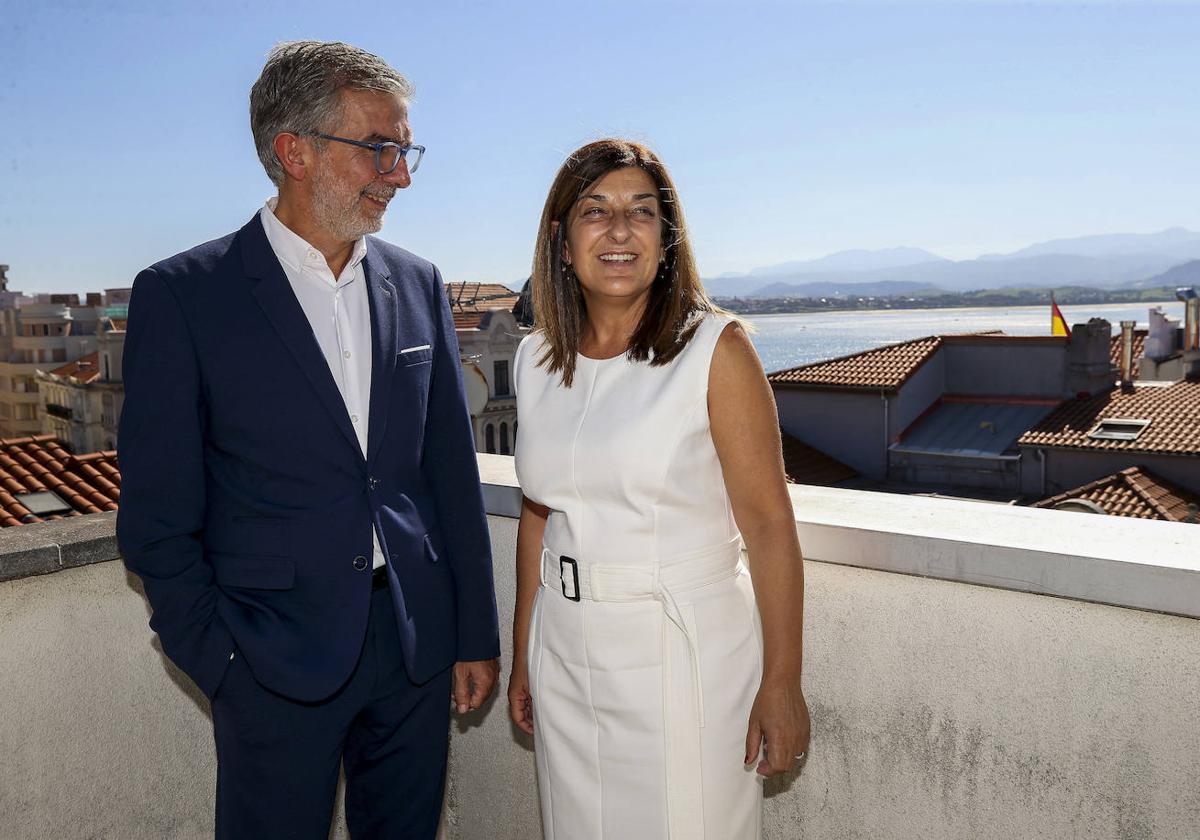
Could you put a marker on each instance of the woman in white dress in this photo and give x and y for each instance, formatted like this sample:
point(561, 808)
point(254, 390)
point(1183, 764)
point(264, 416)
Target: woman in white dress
point(648, 451)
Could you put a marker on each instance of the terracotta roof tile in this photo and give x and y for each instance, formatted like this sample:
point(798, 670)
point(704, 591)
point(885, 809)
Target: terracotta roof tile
point(1173, 411)
point(884, 368)
point(805, 464)
point(87, 483)
point(1134, 492)
point(84, 369)
point(889, 367)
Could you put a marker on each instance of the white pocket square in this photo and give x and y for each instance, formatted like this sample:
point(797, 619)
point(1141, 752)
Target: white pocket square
point(415, 349)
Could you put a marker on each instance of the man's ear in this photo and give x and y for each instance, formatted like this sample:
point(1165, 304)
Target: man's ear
point(294, 154)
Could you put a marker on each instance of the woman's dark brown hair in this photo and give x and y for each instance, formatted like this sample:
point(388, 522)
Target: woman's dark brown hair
point(676, 295)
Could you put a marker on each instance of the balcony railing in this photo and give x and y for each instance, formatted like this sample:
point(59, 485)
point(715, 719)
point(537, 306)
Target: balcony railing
point(56, 410)
point(950, 699)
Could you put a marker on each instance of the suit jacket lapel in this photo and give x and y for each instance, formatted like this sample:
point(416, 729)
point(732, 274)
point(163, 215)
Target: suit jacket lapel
point(274, 294)
point(382, 295)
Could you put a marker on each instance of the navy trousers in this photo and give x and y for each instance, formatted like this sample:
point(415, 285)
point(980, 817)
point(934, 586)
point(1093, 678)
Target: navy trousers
point(278, 759)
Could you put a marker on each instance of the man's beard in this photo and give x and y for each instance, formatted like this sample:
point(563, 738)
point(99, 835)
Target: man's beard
point(338, 208)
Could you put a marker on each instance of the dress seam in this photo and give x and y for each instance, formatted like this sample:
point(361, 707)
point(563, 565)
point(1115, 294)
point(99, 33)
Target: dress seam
point(574, 450)
point(583, 613)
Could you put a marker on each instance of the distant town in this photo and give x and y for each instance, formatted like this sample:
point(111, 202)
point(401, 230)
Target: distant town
point(1066, 295)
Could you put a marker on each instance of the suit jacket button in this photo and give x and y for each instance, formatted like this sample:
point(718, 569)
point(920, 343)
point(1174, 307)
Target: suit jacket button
point(372, 483)
point(360, 562)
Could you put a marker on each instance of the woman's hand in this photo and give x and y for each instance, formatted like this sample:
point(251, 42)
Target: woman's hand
point(520, 702)
point(779, 727)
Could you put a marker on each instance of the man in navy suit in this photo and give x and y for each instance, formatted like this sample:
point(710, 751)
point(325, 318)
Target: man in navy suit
point(300, 495)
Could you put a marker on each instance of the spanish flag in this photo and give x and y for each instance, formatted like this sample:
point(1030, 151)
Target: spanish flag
point(1058, 324)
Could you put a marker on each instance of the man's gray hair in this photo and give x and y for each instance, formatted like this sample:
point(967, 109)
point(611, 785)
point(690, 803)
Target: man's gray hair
point(300, 88)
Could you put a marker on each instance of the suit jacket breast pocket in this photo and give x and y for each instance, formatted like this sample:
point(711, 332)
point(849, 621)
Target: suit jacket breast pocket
point(414, 356)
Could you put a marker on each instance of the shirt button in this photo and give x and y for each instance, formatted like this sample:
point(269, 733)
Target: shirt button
point(353, 418)
point(360, 562)
point(346, 354)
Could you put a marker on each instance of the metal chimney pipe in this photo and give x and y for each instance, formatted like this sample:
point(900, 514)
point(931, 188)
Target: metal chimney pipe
point(1127, 352)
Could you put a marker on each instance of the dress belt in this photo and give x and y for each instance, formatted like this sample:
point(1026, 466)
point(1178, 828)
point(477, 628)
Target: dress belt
point(664, 581)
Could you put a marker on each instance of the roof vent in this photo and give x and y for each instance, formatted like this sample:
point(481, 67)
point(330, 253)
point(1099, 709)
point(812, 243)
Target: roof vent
point(1117, 428)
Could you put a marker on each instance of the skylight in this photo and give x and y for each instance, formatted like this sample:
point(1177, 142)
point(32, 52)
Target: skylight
point(1118, 428)
point(44, 503)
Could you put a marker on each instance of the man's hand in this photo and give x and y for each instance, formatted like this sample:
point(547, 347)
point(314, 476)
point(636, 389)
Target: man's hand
point(473, 682)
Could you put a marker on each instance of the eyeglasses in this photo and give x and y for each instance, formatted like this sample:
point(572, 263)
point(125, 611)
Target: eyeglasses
point(387, 155)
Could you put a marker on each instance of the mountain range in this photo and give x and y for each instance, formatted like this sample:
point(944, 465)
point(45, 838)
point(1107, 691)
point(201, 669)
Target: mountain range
point(1124, 260)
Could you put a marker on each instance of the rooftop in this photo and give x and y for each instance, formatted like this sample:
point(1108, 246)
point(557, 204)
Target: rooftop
point(38, 465)
point(975, 426)
point(470, 302)
point(83, 370)
point(1134, 492)
point(887, 368)
point(1172, 412)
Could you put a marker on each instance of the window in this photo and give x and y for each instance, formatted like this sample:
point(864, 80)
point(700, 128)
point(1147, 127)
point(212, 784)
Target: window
point(489, 438)
point(1117, 428)
point(504, 450)
point(500, 377)
point(59, 354)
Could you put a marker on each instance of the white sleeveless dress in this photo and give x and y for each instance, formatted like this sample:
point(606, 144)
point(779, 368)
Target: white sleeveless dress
point(645, 649)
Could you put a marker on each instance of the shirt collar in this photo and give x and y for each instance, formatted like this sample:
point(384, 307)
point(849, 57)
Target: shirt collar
point(293, 250)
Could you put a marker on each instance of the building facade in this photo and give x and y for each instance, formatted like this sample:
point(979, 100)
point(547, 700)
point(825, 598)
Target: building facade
point(485, 320)
point(43, 332)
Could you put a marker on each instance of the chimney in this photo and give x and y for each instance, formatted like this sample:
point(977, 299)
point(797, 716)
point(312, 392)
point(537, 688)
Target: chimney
point(1127, 353)
point(1191, 332)
point(3, 278)
point(94, 299)
point(1089, 366)
point(1191, 317)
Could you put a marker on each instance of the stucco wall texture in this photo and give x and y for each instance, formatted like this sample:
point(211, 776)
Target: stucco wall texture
point(940, 710)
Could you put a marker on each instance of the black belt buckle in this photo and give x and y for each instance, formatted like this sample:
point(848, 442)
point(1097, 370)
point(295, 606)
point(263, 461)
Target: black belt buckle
point(562, 562)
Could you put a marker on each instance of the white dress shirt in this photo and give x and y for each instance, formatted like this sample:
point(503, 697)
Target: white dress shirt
point(339, 313)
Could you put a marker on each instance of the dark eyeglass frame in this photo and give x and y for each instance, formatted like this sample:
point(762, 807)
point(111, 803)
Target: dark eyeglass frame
point(377, 148)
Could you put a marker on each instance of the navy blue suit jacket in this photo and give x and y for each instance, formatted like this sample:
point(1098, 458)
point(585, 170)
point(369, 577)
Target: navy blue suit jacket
point(247, 507)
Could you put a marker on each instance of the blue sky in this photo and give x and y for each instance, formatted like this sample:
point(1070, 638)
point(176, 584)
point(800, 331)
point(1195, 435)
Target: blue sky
point(793, 129)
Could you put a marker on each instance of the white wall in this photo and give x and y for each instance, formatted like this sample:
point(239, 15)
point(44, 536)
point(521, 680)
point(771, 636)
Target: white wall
point(941, 709)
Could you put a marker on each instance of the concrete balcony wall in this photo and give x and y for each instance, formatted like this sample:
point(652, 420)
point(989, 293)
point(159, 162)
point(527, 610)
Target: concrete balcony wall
point(21, 397)
point(942, 708)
